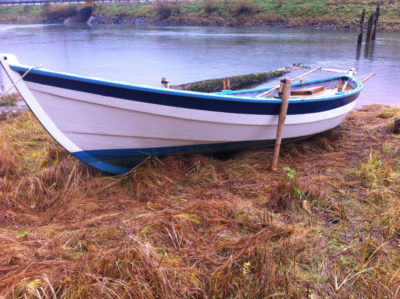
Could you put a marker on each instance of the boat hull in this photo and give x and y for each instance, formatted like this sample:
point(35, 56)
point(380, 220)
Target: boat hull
point(113, 126)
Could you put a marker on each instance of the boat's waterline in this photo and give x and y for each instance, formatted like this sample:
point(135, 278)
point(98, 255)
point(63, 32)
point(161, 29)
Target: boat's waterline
point(120, 161)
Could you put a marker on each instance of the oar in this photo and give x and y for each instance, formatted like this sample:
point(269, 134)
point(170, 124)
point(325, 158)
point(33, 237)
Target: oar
point(368, 77)
point(295, 79)
point(334, 71)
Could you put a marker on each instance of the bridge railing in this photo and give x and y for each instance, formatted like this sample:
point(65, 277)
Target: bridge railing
point(41, 2)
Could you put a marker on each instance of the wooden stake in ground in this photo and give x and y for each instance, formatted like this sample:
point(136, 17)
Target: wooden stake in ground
point(285, 89)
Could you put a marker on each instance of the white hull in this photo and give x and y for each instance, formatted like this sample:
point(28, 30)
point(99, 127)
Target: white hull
point(94, 122)
point(111, 132)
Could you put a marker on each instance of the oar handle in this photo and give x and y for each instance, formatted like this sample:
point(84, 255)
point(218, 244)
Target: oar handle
point(305, 74)
point(334, 70)
point(295, 79)
point(368, 77)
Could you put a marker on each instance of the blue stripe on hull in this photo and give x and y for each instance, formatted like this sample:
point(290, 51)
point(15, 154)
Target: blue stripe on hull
point(190, 100)
point(119, 161)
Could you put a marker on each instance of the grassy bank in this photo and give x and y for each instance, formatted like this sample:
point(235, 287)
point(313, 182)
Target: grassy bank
point(8, 100)
point(326, 225)
point(35, 14)
point(292, 13)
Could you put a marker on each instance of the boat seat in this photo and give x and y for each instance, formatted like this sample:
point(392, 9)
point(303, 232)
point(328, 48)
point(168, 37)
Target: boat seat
point(307, 91)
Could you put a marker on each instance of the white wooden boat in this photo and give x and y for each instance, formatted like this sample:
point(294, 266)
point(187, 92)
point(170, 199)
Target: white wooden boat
point(113, 125)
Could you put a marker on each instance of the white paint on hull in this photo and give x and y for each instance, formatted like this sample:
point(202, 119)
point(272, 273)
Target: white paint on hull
point(33, 104)
point(94, 122)
point(192, 114)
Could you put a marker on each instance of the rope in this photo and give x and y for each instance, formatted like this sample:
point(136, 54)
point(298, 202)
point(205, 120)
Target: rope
point(22, 77)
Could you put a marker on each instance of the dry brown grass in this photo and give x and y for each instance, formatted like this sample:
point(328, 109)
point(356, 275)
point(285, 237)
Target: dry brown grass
point(327, 225)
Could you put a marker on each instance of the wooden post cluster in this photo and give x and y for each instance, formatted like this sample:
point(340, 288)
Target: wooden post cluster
point(373, 25)
point(285, 92)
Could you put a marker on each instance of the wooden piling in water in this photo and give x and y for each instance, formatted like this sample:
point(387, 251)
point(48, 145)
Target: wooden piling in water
point(376, 22)
point(369, 29)
point(360, 35)
point(285, 91)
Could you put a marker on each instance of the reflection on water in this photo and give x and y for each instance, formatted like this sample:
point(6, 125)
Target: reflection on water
point(358, 51)
point(145, 54)
point(369, 50)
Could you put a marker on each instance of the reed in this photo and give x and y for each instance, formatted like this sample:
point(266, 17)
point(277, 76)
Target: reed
point(193, 226)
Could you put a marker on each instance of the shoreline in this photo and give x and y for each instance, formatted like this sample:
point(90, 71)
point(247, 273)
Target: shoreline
point(148, 21)
point(196, 22)
point(213, 13)
point(205, 22)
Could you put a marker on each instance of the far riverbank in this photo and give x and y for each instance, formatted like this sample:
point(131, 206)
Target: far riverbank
point(319, 14)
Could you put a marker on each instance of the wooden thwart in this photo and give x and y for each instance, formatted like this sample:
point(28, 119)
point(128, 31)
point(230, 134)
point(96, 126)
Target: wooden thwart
point(307, 91)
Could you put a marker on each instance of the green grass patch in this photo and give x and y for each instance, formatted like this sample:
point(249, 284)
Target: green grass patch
point(8, 100)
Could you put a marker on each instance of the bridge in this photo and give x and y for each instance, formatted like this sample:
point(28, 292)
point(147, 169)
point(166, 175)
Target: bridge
point(42, 2)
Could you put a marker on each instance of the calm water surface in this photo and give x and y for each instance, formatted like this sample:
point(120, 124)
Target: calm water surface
point(144, 54)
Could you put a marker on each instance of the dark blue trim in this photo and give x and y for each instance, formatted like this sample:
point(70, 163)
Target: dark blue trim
point(187, 99)
point(119, 161)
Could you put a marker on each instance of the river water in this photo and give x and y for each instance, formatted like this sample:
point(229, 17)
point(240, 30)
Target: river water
point(144, 54)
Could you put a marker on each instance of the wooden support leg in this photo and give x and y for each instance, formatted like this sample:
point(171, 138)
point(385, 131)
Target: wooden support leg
point(285, 84)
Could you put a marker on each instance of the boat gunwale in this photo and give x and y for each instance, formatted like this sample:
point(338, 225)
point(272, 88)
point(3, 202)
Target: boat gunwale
point(201, 95)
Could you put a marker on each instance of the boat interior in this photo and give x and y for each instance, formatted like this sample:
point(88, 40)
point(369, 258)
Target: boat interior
point(303, 90)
